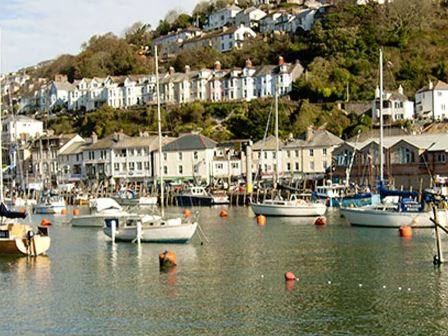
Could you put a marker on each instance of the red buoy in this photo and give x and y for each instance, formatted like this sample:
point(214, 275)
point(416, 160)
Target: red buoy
point(223, 214)
point(45, 222)
point(289, 276)
point(405, 231)
point(187, 213)
point(320, 221)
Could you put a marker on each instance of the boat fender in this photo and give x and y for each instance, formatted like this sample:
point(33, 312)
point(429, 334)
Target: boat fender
point(405, 231)
point(76, 212)
point(45, 222)
point(223, 214)
point(167, 259)
point(261, 220)
point(320, 221)
point(187, 213)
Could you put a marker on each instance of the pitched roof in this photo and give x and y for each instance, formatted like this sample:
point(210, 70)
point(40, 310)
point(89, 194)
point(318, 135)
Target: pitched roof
point(122, 141)
point(440, 85)
point(190, 142)
point(319, 138)
point(74, 148)
point(270, 144)
point(65, 86)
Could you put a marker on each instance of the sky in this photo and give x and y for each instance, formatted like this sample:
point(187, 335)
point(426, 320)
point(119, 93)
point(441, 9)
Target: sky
point(39, 30)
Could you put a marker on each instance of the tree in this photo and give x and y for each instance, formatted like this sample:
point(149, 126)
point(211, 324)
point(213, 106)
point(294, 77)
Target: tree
point(139, 34)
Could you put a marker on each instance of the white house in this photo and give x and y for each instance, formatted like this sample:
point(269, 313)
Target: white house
point(431, 101)
point(58, 93)
point(250, 17)
point(170, 44)
point(396, 106)
point(189, 157)
point(264, 157)
point(222, 17)
point(15, 128)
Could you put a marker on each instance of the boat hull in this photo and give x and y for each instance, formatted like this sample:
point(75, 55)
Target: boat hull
point(313, 210)
point(387, 219)
point(143, 201)
point(164, 234)
point(49, 210)
point(19, 247)
point(189, 201)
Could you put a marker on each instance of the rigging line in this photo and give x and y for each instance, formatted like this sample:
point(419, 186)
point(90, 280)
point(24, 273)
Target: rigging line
point(264, 141)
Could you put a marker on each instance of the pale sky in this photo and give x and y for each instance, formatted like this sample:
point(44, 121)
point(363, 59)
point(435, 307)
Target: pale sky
point(38, 30)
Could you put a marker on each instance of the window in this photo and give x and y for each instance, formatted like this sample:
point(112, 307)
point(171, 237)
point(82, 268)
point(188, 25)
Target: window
point(324, 152)
point(441, 158)
point(165, 170)
point(296, 153)
point(274, 155)
point(116, 166)
point(311, 152)
point(219, 166)
point(181, 170)
point(288, 154)
point(311, 165)
point(123, 166)
point(325, 165)
point(235, 165)
point(165, 156)
point(288, 166)
point(146, 165)
point(180, 156)
point(195, 155)
point(139, 165)
point(131, 166)
point(297, 166)
point(265, 155)
point(405, 155)
point(91, 155)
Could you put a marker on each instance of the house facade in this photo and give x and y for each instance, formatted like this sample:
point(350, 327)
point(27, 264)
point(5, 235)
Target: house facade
point(431, 101)
point(396, 106)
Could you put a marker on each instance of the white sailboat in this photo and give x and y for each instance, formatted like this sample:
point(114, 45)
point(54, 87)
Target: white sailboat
point(293, 207)
point(151, 229)
point(407, 212)
point(16, 238)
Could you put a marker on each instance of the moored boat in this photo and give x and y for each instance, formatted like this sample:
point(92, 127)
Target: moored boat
point(128, 197)
point(50, 203)
point(294, 207)
point(100, 209)
point(198, 196)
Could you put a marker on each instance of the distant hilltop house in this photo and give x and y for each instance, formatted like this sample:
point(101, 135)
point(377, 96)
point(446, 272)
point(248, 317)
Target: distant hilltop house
point(396, 106)
point(431, 101)
point(214, 85)
point(222, 17)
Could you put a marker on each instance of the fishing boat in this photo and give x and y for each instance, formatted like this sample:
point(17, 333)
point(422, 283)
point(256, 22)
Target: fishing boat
point(100, 209)
point(149, 229)
point(198, 196)
point(293, 207)
point(152, 228)
point(50, 202)
point(128, 197)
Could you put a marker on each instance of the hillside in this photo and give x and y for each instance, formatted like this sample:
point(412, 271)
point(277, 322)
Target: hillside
point(339, 53)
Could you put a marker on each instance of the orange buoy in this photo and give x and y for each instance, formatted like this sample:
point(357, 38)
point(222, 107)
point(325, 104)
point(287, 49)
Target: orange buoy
point(261, 220)
point(187, 213)
point(320, 221)
point(223, 214)
point(289, 276)
point(63, 211)
point(45, 222)
point(76, 212)
point(405, 231)
point(167, 259)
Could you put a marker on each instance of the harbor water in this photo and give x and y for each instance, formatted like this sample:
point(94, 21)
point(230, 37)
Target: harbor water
point(352, 281)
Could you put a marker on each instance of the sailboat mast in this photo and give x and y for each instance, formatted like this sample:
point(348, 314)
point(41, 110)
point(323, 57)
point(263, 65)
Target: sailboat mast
point(381, 119)
point(1, 144)
point(159, 129)
point(277, 142)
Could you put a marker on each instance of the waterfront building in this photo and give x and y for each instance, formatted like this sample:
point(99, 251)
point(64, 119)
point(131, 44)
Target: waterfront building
point(396, 106)
point(264, 157)
point(431, 101)
point(409, 160)
point(20, 128)
point(311, 155)
point(229, 161)
point(189, 157)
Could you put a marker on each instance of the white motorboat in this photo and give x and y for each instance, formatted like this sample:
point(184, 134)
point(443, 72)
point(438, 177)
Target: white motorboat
point(198, 196)
point(152, 229)
point(50, 203)
point(294, 207)
point(100, 209)
point(390, 216)
point(129, 197)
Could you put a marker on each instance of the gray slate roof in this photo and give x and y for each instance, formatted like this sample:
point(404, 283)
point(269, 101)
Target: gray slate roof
point(190, 142)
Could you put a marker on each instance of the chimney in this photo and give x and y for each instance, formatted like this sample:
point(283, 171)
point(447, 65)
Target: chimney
point(309, 132)
point(248, 63)
point(218, 66)
point(400, 90)
point(377, 92)
point(187, 69)
point(94, 137)
point(171, 71)
point(60, 78)
point(431, 85)
point(281, 60)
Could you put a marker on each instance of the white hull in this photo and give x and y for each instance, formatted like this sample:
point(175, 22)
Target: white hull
point(142, 201)
point(305, 210)
point(49, 209)
point(371, 217)
point(157, 234)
